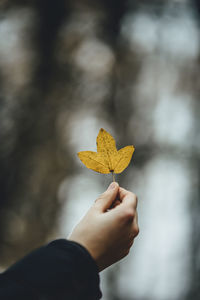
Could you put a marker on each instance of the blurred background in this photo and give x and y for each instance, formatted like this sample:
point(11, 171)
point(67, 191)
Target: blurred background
point(68, 68)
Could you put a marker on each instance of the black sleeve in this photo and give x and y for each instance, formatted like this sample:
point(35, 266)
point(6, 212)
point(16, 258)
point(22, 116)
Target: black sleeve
point(61, 270)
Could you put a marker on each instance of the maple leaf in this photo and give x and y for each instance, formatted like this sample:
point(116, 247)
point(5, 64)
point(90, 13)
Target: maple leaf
point(107, 159)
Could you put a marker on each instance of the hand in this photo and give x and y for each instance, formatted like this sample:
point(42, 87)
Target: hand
point(108, 233)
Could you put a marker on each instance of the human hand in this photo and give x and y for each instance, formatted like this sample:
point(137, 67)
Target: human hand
point(108, 233)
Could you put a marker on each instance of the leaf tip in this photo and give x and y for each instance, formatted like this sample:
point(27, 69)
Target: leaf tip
point(79, 154)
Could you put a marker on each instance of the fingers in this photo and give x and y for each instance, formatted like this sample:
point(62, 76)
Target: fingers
point(128, 202)
point(135, 228)
point(126, 209)
point(106, 199)
point(117, 202)
point(125, 197)
point(133, 232)
point(128, 198)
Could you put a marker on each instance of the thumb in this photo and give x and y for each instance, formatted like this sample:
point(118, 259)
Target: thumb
point(106, 199)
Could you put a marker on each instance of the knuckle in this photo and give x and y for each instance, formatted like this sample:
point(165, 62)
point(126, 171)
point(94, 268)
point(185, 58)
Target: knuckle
point(136, 230)
point(132, 194)
point(129, 214)
point(134, 199)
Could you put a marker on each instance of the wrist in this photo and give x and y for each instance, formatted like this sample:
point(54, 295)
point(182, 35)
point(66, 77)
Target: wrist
point(87, 248)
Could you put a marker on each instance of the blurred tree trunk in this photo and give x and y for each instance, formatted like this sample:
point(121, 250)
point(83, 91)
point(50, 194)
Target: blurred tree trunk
point(33, 170)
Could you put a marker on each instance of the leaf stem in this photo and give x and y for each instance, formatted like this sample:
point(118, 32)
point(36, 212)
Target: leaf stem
point(113, 176)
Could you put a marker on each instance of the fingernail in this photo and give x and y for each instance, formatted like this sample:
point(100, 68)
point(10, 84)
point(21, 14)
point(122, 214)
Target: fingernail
point(112, 185)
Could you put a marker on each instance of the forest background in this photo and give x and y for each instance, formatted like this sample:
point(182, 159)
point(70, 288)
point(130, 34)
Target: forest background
point(68, 68)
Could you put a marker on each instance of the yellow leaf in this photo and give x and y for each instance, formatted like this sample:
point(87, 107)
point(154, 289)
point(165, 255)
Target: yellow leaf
point(123, 158)
point(107, 159)
point(94, 161)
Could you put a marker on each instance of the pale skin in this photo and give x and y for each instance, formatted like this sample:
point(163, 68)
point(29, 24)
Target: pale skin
point(108, 229)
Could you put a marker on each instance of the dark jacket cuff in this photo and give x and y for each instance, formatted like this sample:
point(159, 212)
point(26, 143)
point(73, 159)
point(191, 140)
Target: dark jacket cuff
point(60, 270)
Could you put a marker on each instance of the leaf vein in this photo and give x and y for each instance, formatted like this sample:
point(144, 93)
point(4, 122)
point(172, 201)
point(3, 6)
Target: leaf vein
point(96, 161)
